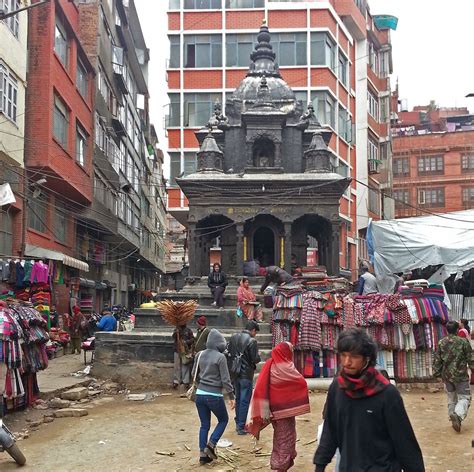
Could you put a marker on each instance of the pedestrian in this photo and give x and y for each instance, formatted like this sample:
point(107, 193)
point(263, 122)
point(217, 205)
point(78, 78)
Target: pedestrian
point(247, 301)
point(276, 275)
point(107, 322)
point(183, 339)
point(464, 331)
point(214, 381)
point(365, 416)
point(244, 345)
point(450, 362)
point(217, 282)
point(367, 281)
point(54, 317)
point(280, 394)
point(78, 325)
point(201, 334)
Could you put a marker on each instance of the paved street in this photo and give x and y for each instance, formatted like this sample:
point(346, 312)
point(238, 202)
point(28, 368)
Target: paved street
point(121, 435)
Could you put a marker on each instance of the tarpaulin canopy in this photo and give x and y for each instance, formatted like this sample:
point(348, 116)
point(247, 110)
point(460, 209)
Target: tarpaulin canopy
point(411, 243)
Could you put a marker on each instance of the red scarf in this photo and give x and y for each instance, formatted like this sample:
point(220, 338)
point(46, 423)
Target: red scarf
point(369, 383)
point(280, 391)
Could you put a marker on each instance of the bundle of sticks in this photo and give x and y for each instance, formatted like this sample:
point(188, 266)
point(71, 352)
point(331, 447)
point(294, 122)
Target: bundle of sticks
point(177, 313)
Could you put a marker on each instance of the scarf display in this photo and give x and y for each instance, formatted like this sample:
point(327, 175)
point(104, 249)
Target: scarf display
point(370, 382)
point(280, 391)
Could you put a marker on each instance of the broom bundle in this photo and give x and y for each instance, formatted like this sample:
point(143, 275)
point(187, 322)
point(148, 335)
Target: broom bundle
point(177, 313)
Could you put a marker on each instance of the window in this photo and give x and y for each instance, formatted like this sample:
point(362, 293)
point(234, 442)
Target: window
point(343, 68)
point(374, 201)
point(401, 197)
point(431, 197)
point(290, 48)
point(372, 150)
point(345, 125)
point(6, 233)
point(175, 167)
point(82, 79)
point(60, 121)
point(324, 105)
point(203, 50)
point(323, 50)
point(202, 4)
point(244, 3)
point(60, 226)
point(129, 168)
point(431, 165)
point(136, 178)
point(172, 119)
point(61, 42)
point(384, 115)
point(303, 97)
point(130, 123)
point(373, 56)
point(8, 93)
point(198, 108)
point(81, 145)
point(401, 167)
point(37, 213)
point(13, 23)
point(175, 46)
point(373, 105)
point(174, 4)
point(468, 197)
point(467, 162)
point(239, 47)
point(190, 163)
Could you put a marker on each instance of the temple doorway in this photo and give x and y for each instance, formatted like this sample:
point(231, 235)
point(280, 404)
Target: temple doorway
point(264, 246)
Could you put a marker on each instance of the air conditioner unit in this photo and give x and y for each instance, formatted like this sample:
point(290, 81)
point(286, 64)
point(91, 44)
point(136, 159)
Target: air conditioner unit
point(421, 197)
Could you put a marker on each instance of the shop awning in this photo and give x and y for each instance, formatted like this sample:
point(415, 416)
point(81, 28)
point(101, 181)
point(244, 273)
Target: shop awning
point(39, 252)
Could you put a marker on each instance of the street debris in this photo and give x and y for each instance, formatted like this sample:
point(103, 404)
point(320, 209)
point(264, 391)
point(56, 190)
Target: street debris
point(71, 412)
point(75, 394)
point(169, 454)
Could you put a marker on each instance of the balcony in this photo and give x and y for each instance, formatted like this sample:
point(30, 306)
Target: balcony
point(374, 165)
point(118, 121)
point(119, 74)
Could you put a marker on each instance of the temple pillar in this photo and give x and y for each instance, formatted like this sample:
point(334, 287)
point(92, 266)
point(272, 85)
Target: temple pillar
point(192, 250)
point(239, 248)
point(334, 248)
point(287, 247)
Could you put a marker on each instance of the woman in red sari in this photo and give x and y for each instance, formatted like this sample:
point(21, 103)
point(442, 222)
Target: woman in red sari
point(280, 394)
point(247, 301)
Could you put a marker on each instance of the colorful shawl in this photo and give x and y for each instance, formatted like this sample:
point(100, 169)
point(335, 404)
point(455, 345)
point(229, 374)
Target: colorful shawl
point(369, 383)
point(280, 391)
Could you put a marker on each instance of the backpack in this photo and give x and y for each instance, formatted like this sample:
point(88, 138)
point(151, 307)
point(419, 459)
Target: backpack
point(234, 357)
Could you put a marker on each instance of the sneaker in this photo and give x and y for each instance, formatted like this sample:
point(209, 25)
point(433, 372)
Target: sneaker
point(455, 422)
point(210, 451)
point(203, 460)
point(241, 432)
point(213, 304)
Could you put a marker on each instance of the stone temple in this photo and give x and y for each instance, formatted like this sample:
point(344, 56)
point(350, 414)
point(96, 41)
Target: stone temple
point(265, 179)
point(265, 183)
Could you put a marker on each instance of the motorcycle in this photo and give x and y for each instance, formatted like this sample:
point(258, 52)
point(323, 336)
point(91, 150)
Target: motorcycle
point(8, 444)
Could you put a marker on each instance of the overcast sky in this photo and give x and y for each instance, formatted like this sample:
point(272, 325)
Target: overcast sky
point(432, 51)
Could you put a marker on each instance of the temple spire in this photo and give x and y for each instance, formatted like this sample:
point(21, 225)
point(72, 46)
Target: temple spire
point(263, 57)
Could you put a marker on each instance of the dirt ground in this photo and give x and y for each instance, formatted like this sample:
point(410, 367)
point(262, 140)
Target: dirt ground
point(122, 435)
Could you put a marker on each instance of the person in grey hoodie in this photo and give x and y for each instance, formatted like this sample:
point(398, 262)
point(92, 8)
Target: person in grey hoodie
point(213, 380)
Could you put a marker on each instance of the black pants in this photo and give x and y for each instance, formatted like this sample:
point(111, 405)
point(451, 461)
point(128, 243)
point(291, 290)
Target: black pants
point(218, 294)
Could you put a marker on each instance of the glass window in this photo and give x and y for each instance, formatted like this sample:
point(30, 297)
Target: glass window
point(468, 197)
point(203, 50)
point(81, 145)
point(372, 150)
point(290, 48)
point(431, 165)
point(431, 197)
point(60, 121)
point(343, 68)
point(8, 93)
point(190, 163)
point(345, 125)
point(198, 108)
point(61, 42)
point(373, 105)
point(6, 233)
point(12, 22)
point(324, 105)
point(374, 201)
point(244, 3)
point(37, 207)
point(201, 4)
point(129, 168)
point(174, 4)
point(303, 97)
point(401, 197)
point(175, 45)
point(173, 116)
point(82, 79)
point(401, 167)
point(467, 161)
point(238, 49)
point(175, 167)
point(130, 123)
point(323, 50)
point(60, 226)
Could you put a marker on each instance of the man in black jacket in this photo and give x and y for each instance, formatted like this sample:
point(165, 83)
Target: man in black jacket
point(276, 275)
point(244, 343)
point(365, 416)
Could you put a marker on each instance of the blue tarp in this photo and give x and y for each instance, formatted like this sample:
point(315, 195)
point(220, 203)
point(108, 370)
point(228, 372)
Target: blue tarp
point(385, 22)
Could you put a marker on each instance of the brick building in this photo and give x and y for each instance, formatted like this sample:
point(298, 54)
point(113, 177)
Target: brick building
point(433, 160)
point(330, 53)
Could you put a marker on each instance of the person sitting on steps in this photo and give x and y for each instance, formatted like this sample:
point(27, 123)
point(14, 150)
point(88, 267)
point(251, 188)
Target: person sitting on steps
point(217, 282)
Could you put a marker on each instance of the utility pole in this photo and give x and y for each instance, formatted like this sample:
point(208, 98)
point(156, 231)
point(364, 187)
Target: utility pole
point(4, 16)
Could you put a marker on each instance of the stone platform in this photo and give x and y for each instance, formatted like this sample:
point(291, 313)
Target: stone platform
point(144, 356)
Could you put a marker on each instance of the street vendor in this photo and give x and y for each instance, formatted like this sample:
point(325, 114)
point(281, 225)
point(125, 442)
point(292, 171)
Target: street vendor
point(183, 339)
point(276, 275)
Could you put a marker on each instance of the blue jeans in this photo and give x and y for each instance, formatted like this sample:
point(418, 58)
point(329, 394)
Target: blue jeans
point(243, 393)
point(206, 404)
